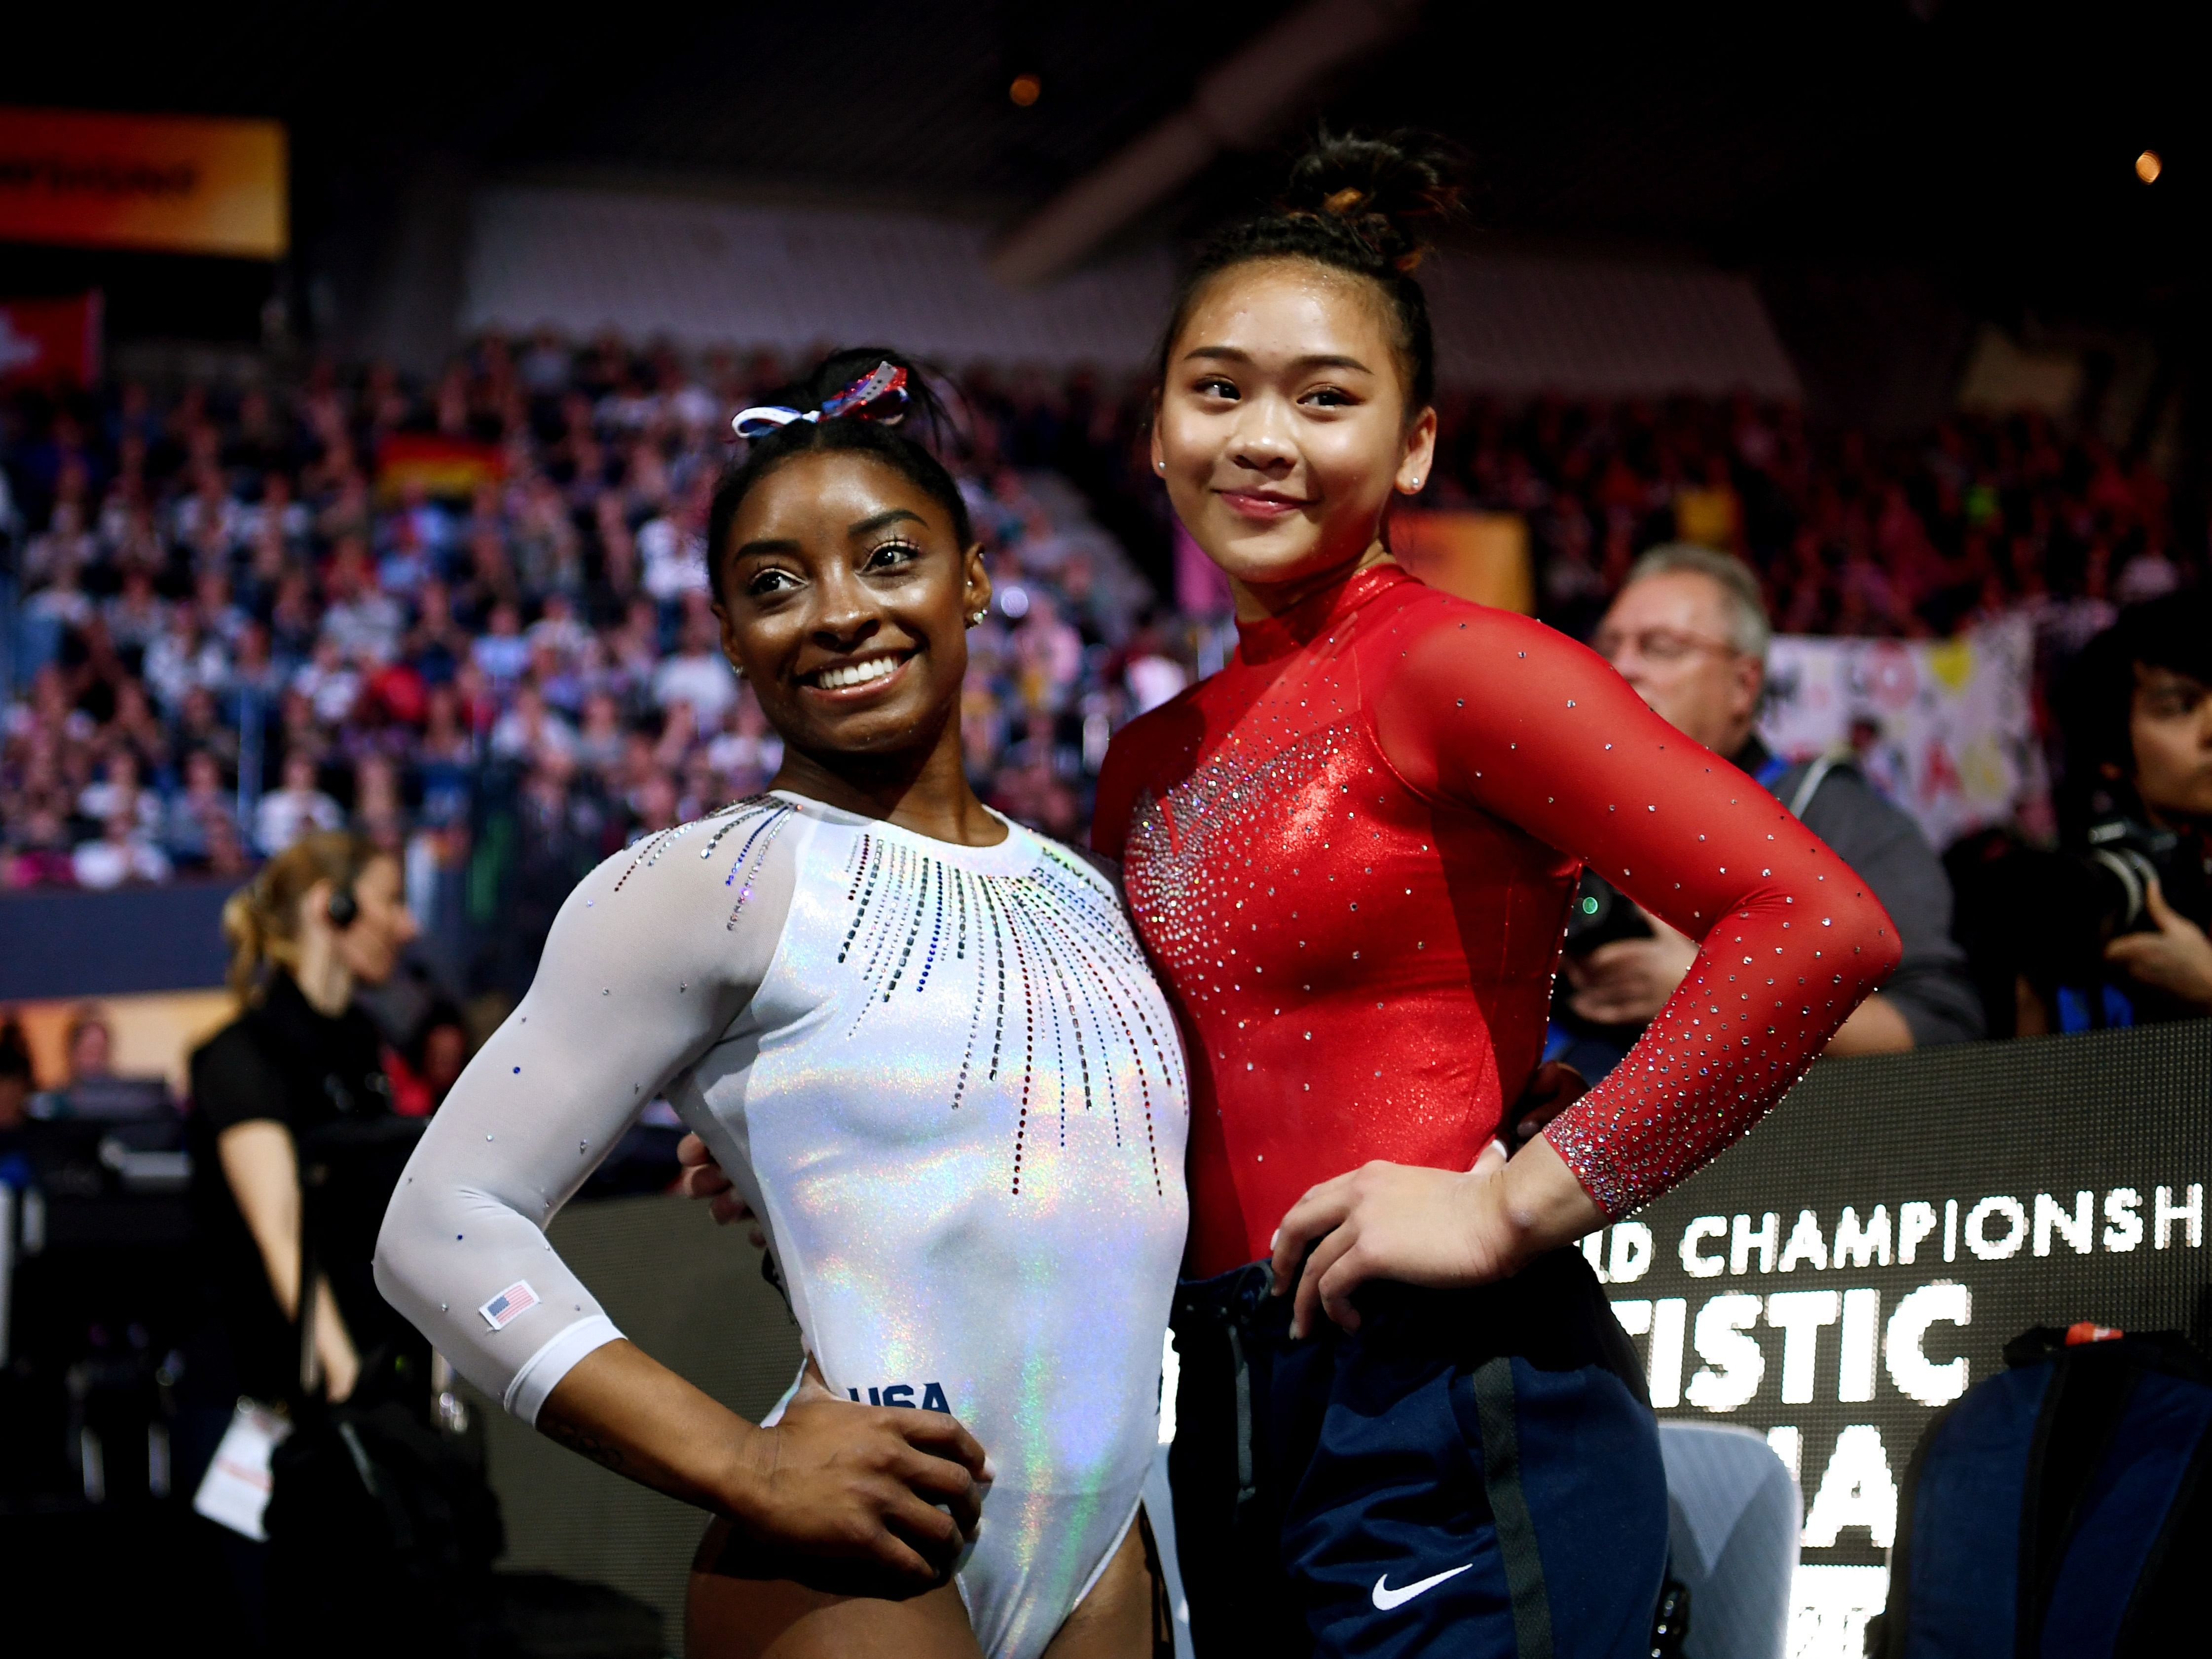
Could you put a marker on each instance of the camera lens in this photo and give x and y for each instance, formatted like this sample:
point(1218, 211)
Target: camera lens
point(2122, 875)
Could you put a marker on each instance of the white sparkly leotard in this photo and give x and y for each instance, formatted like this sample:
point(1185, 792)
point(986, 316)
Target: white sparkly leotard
point(944, 1080)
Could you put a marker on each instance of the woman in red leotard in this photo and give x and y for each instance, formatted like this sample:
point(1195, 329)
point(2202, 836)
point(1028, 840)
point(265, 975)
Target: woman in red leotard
point(1408, 1421)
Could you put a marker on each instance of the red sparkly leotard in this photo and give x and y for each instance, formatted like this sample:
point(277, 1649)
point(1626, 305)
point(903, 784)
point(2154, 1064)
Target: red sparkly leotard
point(1350, 854)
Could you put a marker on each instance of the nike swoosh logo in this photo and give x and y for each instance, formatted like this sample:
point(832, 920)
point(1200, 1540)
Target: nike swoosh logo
point(1386, 1598)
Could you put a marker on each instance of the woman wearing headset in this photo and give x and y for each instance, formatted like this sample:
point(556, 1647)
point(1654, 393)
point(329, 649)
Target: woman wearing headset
point(326, 914)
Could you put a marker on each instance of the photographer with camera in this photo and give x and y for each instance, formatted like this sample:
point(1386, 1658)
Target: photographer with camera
point(2125, 913)
point(1688, 630)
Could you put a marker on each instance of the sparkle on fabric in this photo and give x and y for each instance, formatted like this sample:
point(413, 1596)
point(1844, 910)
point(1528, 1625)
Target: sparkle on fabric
point(1428, 982)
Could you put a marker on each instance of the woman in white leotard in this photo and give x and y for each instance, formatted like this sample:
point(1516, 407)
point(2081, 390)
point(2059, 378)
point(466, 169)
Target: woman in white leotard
point(924, 1042)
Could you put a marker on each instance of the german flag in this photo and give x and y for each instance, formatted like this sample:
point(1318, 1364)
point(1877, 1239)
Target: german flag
point(442, 465)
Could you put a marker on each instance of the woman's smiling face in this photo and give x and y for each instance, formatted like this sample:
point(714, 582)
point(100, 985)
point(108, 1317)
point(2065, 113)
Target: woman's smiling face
point(1282, 427)
point(844, 594)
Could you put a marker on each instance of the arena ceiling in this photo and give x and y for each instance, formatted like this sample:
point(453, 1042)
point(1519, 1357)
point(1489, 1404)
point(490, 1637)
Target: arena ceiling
point(1994, 143)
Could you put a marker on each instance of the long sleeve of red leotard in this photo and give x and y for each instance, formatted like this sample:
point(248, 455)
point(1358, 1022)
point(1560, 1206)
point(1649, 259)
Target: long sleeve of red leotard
point(1491, 710)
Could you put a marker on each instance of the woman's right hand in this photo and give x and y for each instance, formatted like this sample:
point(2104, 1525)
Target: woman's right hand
point(845, 1498)
point(839, 1496)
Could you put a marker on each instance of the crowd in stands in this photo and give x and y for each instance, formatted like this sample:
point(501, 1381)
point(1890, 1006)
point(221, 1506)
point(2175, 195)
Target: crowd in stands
point(1849, 536)
point(471, 617)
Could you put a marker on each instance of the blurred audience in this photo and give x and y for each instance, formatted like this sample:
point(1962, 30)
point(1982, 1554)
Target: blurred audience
point(468, 620)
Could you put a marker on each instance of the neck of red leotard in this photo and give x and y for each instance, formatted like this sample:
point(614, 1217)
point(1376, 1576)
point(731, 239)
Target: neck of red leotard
point(1276, 635)
point(1267, 601)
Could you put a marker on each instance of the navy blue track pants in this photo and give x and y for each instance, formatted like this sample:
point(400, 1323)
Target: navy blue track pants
point(1472, 1473)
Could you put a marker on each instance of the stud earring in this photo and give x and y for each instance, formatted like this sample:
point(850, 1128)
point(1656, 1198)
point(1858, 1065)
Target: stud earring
point(975, 618)
point(1159, 467)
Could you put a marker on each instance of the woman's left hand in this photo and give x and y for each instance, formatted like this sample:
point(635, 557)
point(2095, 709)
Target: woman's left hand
point(1440, 1228)
point(2177, 958)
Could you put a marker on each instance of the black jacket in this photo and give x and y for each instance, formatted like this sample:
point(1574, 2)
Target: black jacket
point(1876, 838)
point(282, 1061)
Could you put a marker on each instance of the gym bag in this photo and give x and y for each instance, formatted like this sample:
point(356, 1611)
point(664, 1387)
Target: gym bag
point(2061, 1509)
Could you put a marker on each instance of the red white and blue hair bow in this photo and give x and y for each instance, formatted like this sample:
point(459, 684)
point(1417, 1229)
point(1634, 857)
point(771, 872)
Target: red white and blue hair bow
point(884, 380)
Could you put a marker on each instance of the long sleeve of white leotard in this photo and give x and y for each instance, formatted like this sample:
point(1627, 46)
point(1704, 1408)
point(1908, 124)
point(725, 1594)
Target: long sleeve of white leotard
point(650, 962)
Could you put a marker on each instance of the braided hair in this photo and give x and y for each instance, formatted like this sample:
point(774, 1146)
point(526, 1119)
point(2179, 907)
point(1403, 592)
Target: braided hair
point(1356, 205)
point(899, 435)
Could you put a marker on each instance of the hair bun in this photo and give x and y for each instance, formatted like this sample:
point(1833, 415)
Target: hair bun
point(1389, 192)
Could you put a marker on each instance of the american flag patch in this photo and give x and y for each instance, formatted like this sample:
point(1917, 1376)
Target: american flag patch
point(509, 1305)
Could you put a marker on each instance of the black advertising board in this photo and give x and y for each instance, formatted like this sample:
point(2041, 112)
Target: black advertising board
point(1865, 1254)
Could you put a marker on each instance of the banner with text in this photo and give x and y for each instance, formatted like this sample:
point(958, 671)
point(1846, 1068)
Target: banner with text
point(1862, 1257)
point(1945, 727)
point(179, 184)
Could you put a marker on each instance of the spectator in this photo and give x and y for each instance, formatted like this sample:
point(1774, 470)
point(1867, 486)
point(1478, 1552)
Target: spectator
point(183, 657)
point(529, 730)
point(503, 652)
point(118, 792)
point(599, 743)
point(195, 810)
point(2156, 663)
point(698, 674)
point(88, 1057)
point(330, 684)
point(200, 728)
point(424, 1071)
point(89, 1045)
point(1690, 633)
point(380, 818)
point(123, 852)
point(746, 751)
point(39, 849)
point(17, 1084)
point(290, 812)
point(364, 621)
point(2113, 931)
point(561, 835)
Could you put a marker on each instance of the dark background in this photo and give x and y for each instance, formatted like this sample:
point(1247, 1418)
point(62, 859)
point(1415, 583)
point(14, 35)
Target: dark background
point(1891, 173)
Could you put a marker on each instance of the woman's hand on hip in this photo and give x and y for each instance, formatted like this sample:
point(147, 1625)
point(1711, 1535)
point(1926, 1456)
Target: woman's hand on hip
point(845, 1498)
point(839, 1496)
point(1440, 1228)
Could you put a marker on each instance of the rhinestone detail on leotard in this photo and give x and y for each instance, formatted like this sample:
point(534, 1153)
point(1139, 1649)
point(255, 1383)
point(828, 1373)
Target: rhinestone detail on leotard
point(1051, 958)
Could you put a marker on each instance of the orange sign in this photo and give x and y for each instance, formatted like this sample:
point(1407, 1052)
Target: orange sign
point(181, 184)
point(1483, 556)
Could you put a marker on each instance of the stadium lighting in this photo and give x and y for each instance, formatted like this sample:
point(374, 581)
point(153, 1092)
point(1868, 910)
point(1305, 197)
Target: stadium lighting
point(2148, 167)
point(1026, 90)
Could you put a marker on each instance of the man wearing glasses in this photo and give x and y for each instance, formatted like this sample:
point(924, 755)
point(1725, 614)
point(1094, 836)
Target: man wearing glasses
point(1689, 631)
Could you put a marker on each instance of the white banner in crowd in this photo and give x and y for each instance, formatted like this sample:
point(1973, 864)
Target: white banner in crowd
point(1944, 727)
